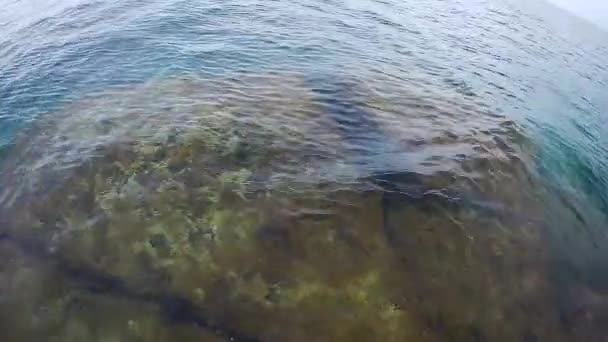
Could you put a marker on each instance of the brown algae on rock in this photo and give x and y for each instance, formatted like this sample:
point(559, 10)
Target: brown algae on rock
point(213, 216)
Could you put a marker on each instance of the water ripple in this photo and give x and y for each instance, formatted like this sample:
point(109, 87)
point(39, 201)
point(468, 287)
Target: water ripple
point(483, 116)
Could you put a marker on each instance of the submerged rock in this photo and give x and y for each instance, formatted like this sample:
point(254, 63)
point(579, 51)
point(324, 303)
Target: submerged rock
point(234, 209)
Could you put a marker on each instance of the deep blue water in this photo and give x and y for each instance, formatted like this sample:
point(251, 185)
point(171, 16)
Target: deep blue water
point(527, 60)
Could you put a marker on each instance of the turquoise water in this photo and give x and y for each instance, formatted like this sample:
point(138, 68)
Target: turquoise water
point(497, 107)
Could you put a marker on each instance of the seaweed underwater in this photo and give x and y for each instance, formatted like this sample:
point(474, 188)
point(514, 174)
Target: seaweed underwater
point(252, 211)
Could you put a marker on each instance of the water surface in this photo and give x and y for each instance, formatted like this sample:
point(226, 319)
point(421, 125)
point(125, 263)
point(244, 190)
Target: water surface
point(303, 170)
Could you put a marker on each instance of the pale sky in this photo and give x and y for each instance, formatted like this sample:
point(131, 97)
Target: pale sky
point(594, 10)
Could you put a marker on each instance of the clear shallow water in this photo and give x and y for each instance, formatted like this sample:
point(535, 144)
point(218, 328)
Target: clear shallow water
point(302, 171)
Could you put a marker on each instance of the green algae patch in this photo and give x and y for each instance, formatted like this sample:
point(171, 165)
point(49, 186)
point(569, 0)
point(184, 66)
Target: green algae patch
point(243, 255)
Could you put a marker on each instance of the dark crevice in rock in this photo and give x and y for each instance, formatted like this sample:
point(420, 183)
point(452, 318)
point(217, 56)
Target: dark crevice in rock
point(174, 308)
